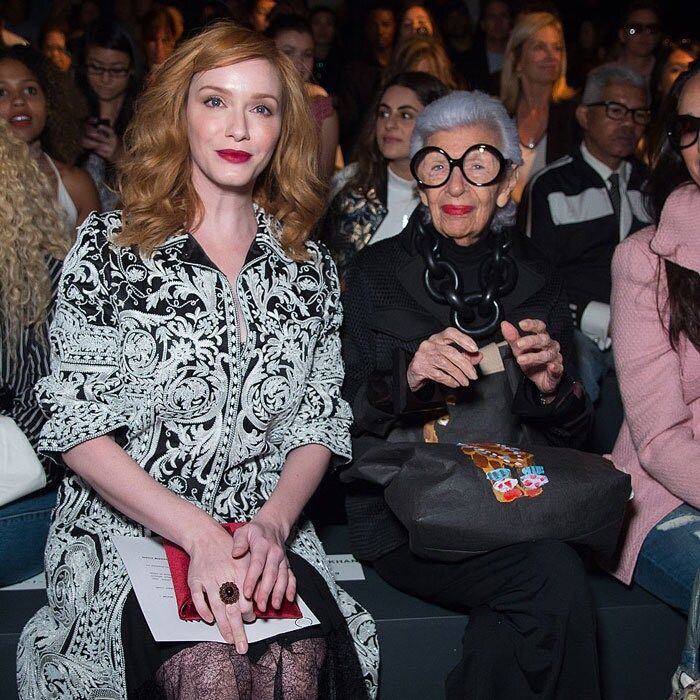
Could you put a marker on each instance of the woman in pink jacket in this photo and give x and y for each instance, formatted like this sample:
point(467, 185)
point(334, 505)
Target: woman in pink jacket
point(656, 338)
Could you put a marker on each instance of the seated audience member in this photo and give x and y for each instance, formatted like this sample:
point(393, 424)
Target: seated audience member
point(580, 207)
point(34, 103)
point(672, 60)
point(292, 36)
point(415, 20)
point(53, 46)
point(35, 239)
point(362, 77)
point(639, 35)
point(656, 339)
point(373, 198)
point(531, 624)
point(482, 68)
point(159, 33)
point(195, 380)
point(328, 58)
point(424, 55)
point(534, 91)
point(108, 77)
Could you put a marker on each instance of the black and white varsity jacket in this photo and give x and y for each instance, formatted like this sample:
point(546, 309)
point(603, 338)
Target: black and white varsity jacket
point(568, 214)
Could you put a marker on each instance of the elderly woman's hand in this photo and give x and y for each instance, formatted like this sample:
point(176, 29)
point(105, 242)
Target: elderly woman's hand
point(438, 359)
point(538, 355)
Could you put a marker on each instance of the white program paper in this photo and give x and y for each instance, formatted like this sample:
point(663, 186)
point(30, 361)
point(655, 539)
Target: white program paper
point(345, 567)
point(147, 566)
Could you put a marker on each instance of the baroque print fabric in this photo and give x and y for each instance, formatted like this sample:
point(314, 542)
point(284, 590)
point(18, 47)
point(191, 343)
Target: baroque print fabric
point(149, 350)
point(352, 220)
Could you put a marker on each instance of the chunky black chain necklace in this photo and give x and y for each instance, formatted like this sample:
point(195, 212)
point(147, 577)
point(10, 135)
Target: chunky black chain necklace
point(476, 313)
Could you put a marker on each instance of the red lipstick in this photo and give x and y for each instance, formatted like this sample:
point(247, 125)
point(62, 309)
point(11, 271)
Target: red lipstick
point(457, 209)
point(233, 156)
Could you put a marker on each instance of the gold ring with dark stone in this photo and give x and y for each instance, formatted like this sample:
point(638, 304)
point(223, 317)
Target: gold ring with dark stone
point(228, 592)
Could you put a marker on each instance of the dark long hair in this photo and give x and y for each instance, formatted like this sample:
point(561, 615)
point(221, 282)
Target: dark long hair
point(65, 107)
point(660, 103)
point(668, 174)
point(107, 34)
point(371, 164)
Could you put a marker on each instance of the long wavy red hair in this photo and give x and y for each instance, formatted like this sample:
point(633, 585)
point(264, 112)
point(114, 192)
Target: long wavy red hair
point(155, 173)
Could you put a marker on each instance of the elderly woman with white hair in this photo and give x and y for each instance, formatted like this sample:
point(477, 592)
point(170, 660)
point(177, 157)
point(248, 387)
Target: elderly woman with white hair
point(456, 332)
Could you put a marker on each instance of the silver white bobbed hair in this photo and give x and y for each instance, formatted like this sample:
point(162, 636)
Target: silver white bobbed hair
point(463, 108)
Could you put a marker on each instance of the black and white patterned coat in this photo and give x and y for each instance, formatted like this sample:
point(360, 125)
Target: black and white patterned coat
point(148, 349)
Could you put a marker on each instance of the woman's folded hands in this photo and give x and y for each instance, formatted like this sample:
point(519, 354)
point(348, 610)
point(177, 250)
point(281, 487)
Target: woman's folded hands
point(254, 560)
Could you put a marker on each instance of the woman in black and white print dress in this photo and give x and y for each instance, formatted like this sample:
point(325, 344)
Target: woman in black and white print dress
point(196, 380)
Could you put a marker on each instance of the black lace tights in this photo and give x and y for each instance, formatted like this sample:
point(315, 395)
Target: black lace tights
point(211, 671)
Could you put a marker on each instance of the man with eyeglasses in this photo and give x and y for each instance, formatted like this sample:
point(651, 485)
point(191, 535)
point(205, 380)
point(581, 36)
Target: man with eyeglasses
point(639, 35)
point(580, 207)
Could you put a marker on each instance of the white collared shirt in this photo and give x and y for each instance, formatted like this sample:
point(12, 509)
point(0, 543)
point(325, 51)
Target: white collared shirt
point(624, 172)
point(595, 320)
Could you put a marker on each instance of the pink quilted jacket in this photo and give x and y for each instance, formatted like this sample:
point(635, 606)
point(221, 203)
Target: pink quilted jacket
point(659, 444)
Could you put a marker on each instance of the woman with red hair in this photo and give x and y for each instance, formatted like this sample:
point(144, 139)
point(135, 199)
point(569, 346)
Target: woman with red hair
point(195, 381)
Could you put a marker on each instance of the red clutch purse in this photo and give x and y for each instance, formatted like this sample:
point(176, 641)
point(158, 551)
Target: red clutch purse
point(179, 562)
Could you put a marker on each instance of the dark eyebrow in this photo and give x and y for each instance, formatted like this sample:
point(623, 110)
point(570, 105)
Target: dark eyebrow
point(384, 104)
point(117, 64)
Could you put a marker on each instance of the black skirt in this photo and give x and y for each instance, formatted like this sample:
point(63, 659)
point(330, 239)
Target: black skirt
point(339, 675)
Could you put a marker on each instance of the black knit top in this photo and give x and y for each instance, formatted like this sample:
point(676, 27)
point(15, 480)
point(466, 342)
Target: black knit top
point(388, 314)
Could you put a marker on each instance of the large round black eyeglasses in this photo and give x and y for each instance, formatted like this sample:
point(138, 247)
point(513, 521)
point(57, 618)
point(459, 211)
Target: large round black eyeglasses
point(481, 165)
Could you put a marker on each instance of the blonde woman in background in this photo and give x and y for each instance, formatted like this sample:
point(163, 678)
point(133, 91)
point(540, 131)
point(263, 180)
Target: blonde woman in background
point(534, 91)
point(33, 241)
point(422, 54)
